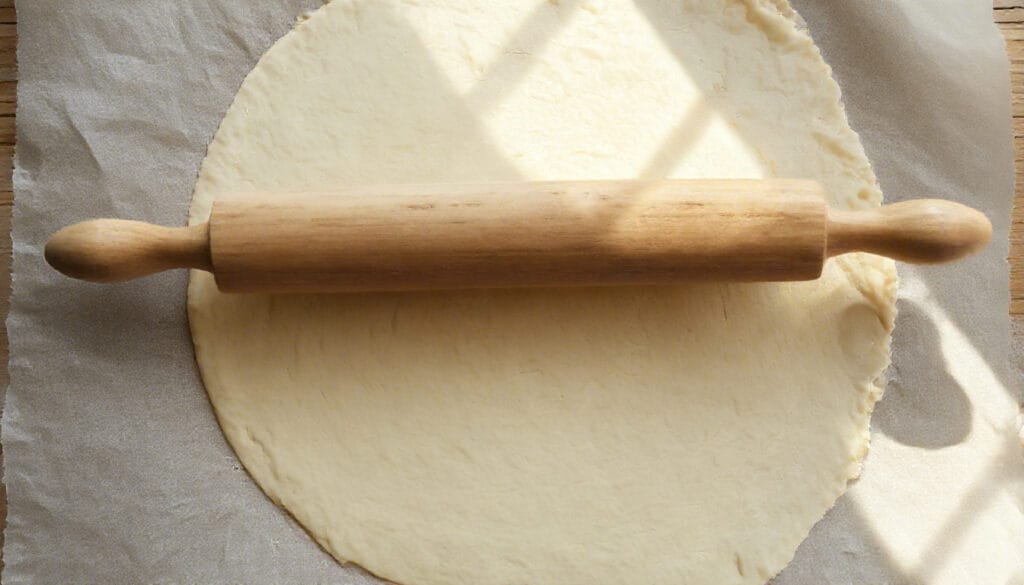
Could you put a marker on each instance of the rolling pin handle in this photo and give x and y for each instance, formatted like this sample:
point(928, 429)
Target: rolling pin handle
point(921, 231)
point(114, 250)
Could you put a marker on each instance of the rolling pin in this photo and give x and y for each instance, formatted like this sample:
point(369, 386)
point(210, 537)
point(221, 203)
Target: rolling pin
point(414, 237)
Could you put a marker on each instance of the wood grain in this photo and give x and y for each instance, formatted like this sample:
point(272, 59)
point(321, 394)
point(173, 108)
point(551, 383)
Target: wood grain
point(8, 98)
point(522, 234)
point(1008, 13)
point(917, 231)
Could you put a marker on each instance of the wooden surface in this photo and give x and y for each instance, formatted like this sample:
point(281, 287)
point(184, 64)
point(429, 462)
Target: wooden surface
point(917, 231)
point(116, 250)
point(8, 84)
point(540, 233)
point(523, 234)
point(1009, 14)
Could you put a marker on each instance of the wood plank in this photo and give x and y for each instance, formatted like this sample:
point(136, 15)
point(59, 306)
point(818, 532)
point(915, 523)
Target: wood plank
point(1015, 52)
point(1016, 98)
point(7, 130)
point(8, 52)
point(1012, 31)
point(8, 91)
point(7, 163)
point(8, 97)
point(1010, 15)
point(1018, 129)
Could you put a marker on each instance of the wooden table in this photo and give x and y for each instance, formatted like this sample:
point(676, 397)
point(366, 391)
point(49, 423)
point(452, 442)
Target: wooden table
point(8, 93)
point(1009, 14)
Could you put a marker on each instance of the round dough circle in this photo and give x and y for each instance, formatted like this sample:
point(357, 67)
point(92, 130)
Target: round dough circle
point(688, 434)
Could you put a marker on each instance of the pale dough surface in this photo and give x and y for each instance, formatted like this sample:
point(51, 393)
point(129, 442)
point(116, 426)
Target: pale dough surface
point(653, 435)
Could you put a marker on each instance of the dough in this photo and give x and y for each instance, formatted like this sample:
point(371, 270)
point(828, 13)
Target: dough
point(688, 434)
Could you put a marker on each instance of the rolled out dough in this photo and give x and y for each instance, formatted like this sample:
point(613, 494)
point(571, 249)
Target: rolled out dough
point(687, 434)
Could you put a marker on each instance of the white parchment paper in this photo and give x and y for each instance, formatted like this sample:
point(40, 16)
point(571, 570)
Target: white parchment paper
point(117, 472)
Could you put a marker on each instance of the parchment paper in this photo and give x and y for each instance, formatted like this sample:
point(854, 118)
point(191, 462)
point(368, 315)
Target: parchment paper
point(117, 472)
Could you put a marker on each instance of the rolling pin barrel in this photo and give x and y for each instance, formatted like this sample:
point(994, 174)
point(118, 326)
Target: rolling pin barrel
point(518, 235)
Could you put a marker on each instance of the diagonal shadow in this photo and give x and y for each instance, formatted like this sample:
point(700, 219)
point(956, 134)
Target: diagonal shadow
point(439, 119)
point(535, 32)
point(689, 49)
point(855, 551)
point(516, 58)
point(1004, 468)
point(682, 138)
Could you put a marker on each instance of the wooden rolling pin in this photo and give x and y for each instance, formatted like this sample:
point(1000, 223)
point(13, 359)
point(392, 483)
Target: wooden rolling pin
point(411, 237)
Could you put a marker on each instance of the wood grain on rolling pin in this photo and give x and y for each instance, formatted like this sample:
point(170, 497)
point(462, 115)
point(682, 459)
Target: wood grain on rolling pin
point(412, 237)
